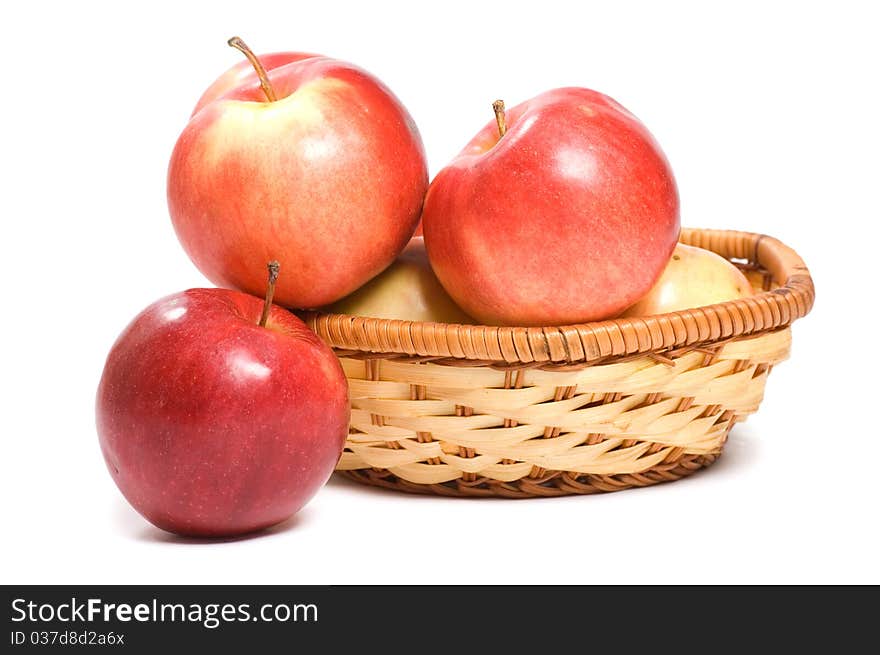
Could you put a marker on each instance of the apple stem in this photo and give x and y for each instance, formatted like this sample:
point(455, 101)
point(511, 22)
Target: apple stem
point(240, 45)
point(273, 267)
point(500, 117)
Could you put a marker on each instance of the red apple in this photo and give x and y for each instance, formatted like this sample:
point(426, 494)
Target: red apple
point(562, 210)
point(212, 425)
point(328, 178)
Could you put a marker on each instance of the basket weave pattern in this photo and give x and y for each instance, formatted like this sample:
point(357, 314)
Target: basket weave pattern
point(524, 412)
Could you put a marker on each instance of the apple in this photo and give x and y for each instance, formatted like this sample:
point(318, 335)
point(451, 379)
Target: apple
point(407, 290)
point(279, 161)
point(214, 420)
point(758, 278)
point(562, 210)
point(693, 277)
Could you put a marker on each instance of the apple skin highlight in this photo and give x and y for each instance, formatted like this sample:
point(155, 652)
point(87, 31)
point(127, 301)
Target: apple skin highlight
point(213, 426)
point(569, 217)
point(329, 179)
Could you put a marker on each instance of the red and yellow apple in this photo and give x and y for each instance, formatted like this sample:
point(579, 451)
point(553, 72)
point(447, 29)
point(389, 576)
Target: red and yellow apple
point(693, 277)
point(213, 425)
point(562, 210)
point(407, 290)
point(304, 159)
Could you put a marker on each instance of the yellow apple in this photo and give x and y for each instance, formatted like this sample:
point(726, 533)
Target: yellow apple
point(757, 278)
point(693, 277)
point(406, 290)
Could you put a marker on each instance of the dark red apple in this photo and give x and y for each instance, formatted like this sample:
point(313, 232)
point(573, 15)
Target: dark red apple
point(562, 210)
point(212, 425)
point(305, 159)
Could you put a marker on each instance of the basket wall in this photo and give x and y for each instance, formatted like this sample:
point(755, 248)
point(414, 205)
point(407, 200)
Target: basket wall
point(466, 430)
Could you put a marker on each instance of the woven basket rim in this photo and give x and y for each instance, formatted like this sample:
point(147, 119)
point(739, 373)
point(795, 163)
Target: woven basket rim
point(558, 346)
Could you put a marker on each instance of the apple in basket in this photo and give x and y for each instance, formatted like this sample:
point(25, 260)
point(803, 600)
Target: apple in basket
point(694, 277)
point(562, 210)
point(282, 155)
point(407, 290)
point(219, 414)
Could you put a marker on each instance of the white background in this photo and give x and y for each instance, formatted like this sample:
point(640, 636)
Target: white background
point(769, 115)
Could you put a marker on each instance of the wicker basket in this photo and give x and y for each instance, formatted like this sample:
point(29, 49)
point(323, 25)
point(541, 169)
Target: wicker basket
point(523, 412)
